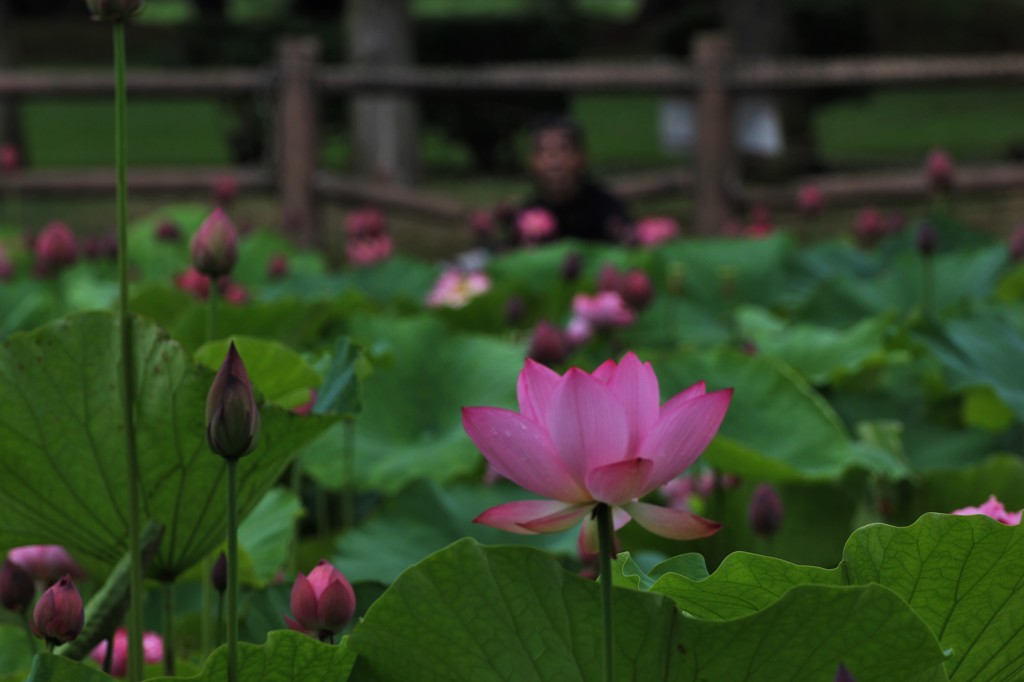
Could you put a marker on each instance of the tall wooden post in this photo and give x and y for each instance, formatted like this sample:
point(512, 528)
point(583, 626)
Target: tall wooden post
point(716, 160)
point(297, 132)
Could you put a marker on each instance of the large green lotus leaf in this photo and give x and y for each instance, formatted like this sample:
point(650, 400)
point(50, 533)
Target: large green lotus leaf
point(297, 323)
point(62, 452)
point(26, 304)
point(983, 350)
point(285, 656)
point(341, 390)
point(411, 425)
point(673, 321)
point(504, 613)
point(400, 534)
point(538, 270)
point(153, 260)
point(777, 427)
point(15, 654)
point(398, 280)
point(280, 373)
point(268, 533)
point(820, 354)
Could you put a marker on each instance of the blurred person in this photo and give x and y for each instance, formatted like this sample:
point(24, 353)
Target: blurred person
point(564, 187)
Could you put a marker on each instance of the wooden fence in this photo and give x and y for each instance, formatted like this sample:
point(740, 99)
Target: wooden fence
point(713, 77)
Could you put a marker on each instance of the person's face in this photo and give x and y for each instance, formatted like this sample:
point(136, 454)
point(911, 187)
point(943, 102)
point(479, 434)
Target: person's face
point(556, 164)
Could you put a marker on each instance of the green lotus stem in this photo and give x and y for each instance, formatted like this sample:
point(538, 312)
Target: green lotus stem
point(108, 658)
point(220, 613)
point(169, 628)
point(322, 507)
point(927, 285)
point(607, 546)
point(32, 647)
point(295, 482)
point(206, 628)
point(127, 362)
point(232, 617)
point(348, 463)
point(211, 320)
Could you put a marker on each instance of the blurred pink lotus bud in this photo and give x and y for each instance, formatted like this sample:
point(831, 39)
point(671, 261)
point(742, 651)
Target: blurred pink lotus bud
point(482, 222)
point(233, 292)
point(17, 589)
point(152, 651)
point(232, 418)
point(323, 603)
point(45, 563)
point(219, 573)
point(225, 189)
point(609, 279)
point(678, 491)
point(993, 509)
point(927, 240)
point(277, 266)
point(760, 224)
point(869, 227)
point(515, 310)
point(547, 346)
point(810, 199)
point(113, 10)
point(578, 331)
point(456, 288)
point(765, 511)
point(59, 614)
point(10, 157)
point(168, 231)
point(193, 282)
point(364, 222)
point(1017, 244)
point(6, 266)
point(214, 246)
point(603, 309)
point(571, 266)
point(369, 250)
point(636, 289)
point(656, 230)
point(536, 225)
point(55, 247)
point(940, 170)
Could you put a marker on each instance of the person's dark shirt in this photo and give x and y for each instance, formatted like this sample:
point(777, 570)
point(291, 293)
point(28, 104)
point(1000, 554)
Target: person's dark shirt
point(592, 214)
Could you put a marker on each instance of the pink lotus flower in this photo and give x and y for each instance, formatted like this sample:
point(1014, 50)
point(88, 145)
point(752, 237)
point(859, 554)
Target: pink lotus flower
point(59, 614)
point(10, 157)
point(535, 225)
point(323, 603)
point(368, 250)
point(993, 509)
point(55, 247)
point(152, 651)
point(193, 282)
point(582, 439)
point(810, 199)
point(940, 170)
point(456, 288)
point(45, 563)
point(277, 266)
point(364, 222)
point(603, 309)
point(656, 230)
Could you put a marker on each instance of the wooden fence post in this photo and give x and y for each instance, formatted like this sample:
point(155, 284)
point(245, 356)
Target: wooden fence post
point(296, 137)
point(712, 59)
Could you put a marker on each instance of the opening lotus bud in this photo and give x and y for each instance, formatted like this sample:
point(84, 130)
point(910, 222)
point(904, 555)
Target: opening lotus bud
point(59, 615)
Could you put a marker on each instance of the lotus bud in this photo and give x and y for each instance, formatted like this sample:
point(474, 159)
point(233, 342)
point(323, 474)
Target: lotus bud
point(844, 675)
point(45, 563)
point(547, 345)
point(193, 282)
point(55, 247)
point(219, 573)
point(168, 231)
point(609, 278)
point(215, 246)
point(927, 240)
point(940, 170)
point(636, 289)
point(17, 588)
point(277, 266)
point(322, 603)
point(114, 10)
point(515, 310)
point(232, 418)
point(482, 222)
point(765, 511)
point(571, 266)
point(59, 614)
point(810, 200)
point(10, 157)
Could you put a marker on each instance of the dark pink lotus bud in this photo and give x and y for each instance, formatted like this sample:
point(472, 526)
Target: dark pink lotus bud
point(219, 573)
point(193, 282)
point(810, 200)
point(869, 228)
point(277, 266)
point(152, 651)
point(215, 246)
point(765, 511)
point(59, 614)
point(536, 225)
point(55, 247)
point(482, 222)
point(225, 189)
point(364, 222)
point(637, 290)
point(368, 250)
point(609, 279)
point(113, 10)
point(1017, 244)
point(232, 292)
point(232, 418)
point(656, 230)
point(45, 563)
point(10, 157)
point(760, 224)
point(515, 310)
point(927, 240)
point(323, 603)
point(17, 588)
point(168, 231)
point(844, 675)
point(571, 266)
point(547, 345)
point(6, 267)
point(940, 170)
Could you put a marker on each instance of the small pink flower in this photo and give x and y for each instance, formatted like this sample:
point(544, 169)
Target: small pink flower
point(233, 293)
point(603, 309)
point(55, 247)
point(870, 227)
point(456, 288)
point(581, 438)
point(578, 331)
point(225, 189)
point(45, 563)
point(10, 157)
point(810, 199)
point(322, 603)
point(152, 651)
point(993, 509)
point(364, 222)
point(277, 266)
point(368, 250)
point(940, 170)
point(193, 282)
point(535, 225)
point(214, 246)
point(656, 230)
point(547, 345)
point(59, 614)
point(636, 289)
